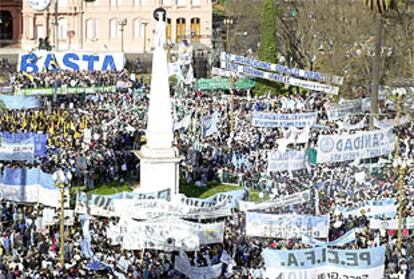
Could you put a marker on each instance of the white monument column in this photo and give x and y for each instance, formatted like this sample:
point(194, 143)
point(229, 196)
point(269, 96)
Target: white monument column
point(159, 159)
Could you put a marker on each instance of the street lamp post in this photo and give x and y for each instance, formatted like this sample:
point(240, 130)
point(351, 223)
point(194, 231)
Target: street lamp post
point(233, 78)
point(399, 94)
point(228, 22)
point(122, 23)
point(60, 180)
point(401, 167)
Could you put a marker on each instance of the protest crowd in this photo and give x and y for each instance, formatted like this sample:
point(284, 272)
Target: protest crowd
point(320, 203)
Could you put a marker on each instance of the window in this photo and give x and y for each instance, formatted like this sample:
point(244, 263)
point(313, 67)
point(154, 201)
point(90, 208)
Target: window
point(195, 30)
point(140, 2)
point(137, 28)
point(168, 33)
point(63, 3)
point(181, 2)
point(39, 31)
point(62, 28)
point(115, 3)
point(91, 29)
point(196, 2)
point(180, 29)
point(113, 28)
point(167, 3)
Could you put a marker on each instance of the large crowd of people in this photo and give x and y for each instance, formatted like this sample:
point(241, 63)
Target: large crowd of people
point(91, 136)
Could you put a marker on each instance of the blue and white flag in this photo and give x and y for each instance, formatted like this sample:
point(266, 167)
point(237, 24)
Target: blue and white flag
point(345, 239)
point(40, 141)
point(323, 262)
point(17, 151)
point(20, 102)
point(210, 125)
point(30, 185)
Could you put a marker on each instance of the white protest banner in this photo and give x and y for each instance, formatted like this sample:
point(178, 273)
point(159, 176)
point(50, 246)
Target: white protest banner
point(373, 208)
point(183, 123)
point(148, 209)
point(378, 224)
point(339, 111)
point(210, 125)
point(220, 72)
point(361, 145)
point(287, 226)
point(296, 198)
point(232, 197)
point(322, 262)
point(391, 123)
point(169, 234)
point(289, 160)
point(183, 265)
point(281, 68)
point(252, 72)
point(37, 61)
point(345, 239)
point(23, 150)
point(48, 216)
point(273, 120)
point(103, 205)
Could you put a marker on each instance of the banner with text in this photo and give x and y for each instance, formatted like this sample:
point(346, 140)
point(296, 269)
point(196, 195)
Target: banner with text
point(290, 160)
point(38, 61)
point(339, 111)
point(384, 208)
point(169, 234)
point(345, 239)
point(66, 90)
point(296, 198)
point(281, 68)
point(361, 145)
point(286, 226)
point(253, 72)
point(183, 265)
point(273, 120)
point(148, 209)
point(103, 205)
point(324, 262)
point(23, 150)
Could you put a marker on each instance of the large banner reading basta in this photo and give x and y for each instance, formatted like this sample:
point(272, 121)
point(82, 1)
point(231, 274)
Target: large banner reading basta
point(324, 262)
point(361, 145)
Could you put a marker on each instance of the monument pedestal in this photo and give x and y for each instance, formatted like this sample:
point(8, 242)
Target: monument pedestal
point(159, 169)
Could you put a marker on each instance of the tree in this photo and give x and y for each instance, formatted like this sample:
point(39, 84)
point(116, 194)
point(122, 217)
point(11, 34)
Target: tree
point(268, 50)
point(380, 7)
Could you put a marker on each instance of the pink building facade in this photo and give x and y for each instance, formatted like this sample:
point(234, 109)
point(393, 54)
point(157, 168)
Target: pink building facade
point(115, 25)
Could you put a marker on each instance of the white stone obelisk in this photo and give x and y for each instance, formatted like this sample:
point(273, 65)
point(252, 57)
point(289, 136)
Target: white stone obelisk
point(159, 159)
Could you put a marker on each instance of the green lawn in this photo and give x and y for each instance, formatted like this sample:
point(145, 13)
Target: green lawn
point(106, 189)
point(213, 188)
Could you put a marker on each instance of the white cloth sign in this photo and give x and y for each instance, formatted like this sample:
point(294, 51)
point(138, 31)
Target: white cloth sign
point(296, 198)
point(272, 120)
point(281, 68)
point(183, 265)
point(324, 262)
point(287, 161)
point(169, 234)
point(148, 209)
point(286, 226)
point(361, 145)
point(339, 111)
point(378, 224)
point(253, 72)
